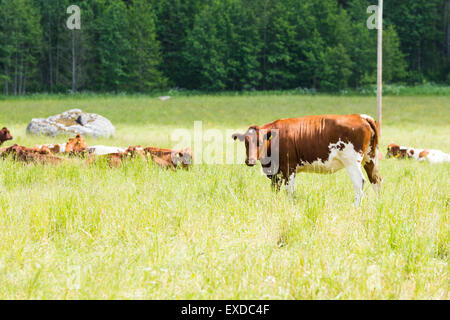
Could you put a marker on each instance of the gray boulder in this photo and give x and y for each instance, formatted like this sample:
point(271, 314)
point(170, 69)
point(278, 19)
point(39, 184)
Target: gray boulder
point(73, 122)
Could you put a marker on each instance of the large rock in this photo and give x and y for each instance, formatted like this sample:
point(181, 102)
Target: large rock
point(73, 122)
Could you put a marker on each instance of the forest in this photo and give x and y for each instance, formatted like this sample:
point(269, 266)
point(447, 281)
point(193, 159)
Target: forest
point(139, 46)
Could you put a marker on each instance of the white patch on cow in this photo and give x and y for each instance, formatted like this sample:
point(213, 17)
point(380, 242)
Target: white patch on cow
point(342, 155)
point(414, 153)
point(357, 177)
point(62, 147)
point(433, 156)
point(437, 156)
point(365, 116)
point(375, 160)
point(102, 150)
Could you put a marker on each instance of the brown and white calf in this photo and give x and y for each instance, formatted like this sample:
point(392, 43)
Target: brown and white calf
point(321, 144)
point(5, 135)
point(431, 155)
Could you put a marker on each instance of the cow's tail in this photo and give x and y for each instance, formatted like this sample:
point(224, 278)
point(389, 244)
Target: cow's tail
point(372, 166)
point(375, 132)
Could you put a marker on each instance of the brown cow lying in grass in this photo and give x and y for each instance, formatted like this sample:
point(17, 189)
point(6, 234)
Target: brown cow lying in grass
point(164, 158)
point(118, 158)
point(170, 158)
point(396, 151)
point(75, 146)
point(30, 155)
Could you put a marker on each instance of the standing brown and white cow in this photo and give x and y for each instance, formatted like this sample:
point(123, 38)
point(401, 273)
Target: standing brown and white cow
point(321, 144)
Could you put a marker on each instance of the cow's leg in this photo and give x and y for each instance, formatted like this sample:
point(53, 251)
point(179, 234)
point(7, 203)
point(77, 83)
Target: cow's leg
point(373, 175)
point(357, 177)
point(290, 184)
point(276, 182)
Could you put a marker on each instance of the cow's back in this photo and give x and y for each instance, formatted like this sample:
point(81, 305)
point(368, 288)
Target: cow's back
point(306, 140)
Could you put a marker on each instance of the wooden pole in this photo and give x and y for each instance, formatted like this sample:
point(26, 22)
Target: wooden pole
point(380, 66)
point(74, 64)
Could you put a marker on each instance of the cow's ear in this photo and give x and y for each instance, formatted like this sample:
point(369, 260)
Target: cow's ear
point(270, 134)
point(239, 136)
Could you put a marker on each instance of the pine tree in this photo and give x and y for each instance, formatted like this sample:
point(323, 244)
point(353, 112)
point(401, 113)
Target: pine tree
point(394, 64)
point(21, 46)
point(146, 60)
point(335, 69)
point(223, 47)
point(174, 20)
point(113, 48)
point(277, 34)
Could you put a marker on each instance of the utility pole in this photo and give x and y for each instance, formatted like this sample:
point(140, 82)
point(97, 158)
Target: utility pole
point(74, 23)
point(380, 66)
point(74, 64)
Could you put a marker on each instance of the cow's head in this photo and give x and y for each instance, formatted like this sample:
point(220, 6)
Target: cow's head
point(258, 145)
point(183, 157)
point(394, 150)
point(5, 135)
point(135, 151)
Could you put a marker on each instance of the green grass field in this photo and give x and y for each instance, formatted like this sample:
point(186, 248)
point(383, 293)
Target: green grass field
point(218, 231)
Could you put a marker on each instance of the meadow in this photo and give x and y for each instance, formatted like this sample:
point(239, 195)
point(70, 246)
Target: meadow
point(218, 231)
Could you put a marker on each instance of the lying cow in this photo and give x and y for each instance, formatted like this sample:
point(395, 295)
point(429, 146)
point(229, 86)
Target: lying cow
point(396, 151)
point(5, 135)
point(164, 158)
point(321, 144)
point(168, 158)
point(53, 148)
point(116, 159)
point(431, 155)
point(29, 155)
point(75, 145)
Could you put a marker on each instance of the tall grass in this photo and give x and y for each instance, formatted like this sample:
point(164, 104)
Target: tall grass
point(75, 231)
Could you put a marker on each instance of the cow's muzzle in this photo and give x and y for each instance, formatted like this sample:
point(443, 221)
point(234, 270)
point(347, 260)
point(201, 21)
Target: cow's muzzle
point(250, 162)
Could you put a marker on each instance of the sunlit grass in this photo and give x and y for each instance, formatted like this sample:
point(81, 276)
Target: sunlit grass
point(218, 231)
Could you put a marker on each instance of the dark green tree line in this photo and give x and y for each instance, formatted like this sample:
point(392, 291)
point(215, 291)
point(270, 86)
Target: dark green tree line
point(143, 45)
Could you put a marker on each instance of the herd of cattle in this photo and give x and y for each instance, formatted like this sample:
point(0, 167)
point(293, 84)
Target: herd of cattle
point(51, 153)
point(320, 144)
